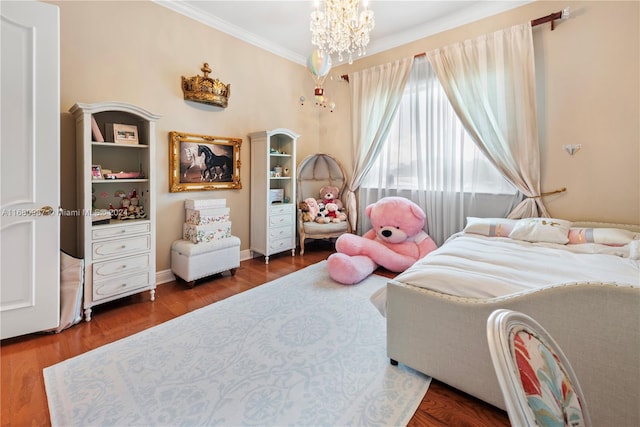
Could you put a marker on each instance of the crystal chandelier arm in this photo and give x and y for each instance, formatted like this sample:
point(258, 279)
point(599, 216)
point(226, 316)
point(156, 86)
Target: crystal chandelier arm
point(341, 28)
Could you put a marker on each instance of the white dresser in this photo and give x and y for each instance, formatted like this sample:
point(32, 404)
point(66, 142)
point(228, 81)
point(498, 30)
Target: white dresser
point(273, 192)
point(119, 253)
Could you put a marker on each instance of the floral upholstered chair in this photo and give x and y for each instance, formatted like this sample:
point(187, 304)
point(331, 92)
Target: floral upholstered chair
point(536, 379)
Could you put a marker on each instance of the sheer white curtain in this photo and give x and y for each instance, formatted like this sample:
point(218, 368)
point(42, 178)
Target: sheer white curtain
point(375, 95)
point(491, 83)
point(430, 159)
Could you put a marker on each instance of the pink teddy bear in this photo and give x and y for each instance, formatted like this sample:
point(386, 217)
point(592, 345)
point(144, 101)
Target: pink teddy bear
point(396, 241)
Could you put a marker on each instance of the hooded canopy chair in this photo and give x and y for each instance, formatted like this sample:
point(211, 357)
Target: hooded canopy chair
point(315, 172)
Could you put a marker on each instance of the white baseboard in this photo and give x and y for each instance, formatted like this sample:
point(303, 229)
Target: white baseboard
point(166, 276)
point(245, 255)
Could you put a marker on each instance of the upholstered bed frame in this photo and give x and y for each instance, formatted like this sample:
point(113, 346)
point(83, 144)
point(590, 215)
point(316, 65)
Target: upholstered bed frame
point(597, 325)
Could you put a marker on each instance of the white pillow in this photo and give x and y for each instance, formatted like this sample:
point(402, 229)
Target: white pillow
point(550, 230)
point(634, 249)
point(605, 236)
point(491, 227)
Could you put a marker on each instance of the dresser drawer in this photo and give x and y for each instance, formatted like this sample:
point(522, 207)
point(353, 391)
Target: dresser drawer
point(278, 220)
point(281, 209)
point(119, 231)
point(280, 232)
point(281, 244)
point(108, 269)
point(108, 288)
point(121, 247)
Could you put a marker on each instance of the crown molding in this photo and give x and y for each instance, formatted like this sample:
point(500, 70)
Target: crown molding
point(232, 30)
point(481, 10)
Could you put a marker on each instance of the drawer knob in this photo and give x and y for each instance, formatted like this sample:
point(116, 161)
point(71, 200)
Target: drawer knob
point(123, 247)
point(124, 285)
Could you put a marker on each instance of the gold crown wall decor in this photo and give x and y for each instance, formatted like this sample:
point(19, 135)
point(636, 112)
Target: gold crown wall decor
point(205, 89)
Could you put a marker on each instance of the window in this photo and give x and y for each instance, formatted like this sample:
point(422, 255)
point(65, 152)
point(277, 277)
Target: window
point(428, 148)
point(429, 158)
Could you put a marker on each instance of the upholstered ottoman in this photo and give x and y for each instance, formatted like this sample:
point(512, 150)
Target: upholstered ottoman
point(191, 261)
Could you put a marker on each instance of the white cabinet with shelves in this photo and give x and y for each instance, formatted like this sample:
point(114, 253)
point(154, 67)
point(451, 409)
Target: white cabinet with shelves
point(273, 191)
point(119, 253)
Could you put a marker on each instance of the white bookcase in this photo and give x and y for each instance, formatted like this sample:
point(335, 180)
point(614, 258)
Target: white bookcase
point(119, 254)
point(273, 192)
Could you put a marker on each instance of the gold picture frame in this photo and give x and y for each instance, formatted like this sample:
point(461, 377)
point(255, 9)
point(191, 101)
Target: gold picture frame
point(203, 163)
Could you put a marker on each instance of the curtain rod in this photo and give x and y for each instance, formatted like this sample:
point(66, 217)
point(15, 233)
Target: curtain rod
point(564, 13)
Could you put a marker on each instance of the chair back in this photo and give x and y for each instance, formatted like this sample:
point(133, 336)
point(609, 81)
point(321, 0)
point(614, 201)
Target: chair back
point(317, 171)
point(538, 384)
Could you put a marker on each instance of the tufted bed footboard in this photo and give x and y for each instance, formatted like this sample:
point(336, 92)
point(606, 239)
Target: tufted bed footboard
point(596, 324)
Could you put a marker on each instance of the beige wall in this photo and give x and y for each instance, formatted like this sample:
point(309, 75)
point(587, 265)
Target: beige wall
point(588, 93)
point(136, 52)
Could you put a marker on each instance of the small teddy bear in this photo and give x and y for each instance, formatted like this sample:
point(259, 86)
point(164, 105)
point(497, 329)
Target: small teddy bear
point(322, 217)
point(334, 214)
point(329, 194)
point(305, 212)
point(313, 207)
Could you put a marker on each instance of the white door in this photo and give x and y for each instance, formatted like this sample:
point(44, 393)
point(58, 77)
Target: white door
point(29, 176)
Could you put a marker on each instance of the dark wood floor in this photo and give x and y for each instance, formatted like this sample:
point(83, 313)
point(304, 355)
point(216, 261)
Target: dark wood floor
point(23, 397)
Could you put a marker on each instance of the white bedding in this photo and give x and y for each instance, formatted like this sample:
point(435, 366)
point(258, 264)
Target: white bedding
point(476, 266)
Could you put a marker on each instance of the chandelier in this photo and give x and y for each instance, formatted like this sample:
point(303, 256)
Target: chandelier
point(341, 27)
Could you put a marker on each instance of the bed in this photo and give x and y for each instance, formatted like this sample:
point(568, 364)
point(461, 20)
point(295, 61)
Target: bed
point(584, 292)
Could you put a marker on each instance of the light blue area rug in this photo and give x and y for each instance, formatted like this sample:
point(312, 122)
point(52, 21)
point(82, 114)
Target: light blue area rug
point(298, 351)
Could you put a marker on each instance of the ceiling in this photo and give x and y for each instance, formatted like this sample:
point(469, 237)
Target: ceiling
point(282, 27)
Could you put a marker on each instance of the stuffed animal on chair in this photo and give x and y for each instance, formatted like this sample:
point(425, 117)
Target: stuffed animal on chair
point(312, 206)
point(395, 242)
point(334, 214)
point(323, 214)
point(305, 211)
point(329, 194)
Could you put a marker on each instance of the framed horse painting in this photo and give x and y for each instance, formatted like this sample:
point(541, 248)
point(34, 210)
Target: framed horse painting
point(202, 163)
